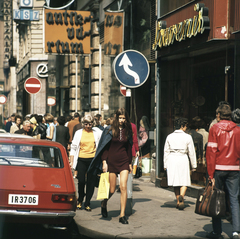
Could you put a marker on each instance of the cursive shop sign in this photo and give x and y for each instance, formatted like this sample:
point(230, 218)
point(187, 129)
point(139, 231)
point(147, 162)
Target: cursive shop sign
point(67, 32)
point(185, 29)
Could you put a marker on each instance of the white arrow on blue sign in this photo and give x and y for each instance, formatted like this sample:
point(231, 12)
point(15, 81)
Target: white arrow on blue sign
point(131, 68)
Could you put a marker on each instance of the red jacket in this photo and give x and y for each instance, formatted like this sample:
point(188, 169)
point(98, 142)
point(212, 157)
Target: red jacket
point(223, 148)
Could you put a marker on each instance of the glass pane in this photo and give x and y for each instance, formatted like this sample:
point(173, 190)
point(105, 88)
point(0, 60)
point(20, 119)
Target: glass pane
point(30, 156)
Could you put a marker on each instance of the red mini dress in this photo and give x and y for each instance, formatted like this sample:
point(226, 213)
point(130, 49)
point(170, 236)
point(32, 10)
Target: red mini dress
point(118, 154)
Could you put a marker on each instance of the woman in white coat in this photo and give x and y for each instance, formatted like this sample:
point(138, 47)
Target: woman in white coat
point(83, 149)
point(178, 149)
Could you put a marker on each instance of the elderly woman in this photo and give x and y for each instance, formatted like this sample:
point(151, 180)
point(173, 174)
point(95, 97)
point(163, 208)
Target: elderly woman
point(83, 149)
point(178, 148)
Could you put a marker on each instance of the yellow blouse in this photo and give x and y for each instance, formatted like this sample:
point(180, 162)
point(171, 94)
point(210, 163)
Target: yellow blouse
point(87, 145)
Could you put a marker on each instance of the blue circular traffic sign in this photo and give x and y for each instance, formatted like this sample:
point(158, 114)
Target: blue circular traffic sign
point(131, 68)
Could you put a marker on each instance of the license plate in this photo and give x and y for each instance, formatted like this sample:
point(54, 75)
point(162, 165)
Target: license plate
point(19, 199)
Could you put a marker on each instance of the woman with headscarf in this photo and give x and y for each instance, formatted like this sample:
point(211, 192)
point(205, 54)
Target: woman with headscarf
point(35, 129)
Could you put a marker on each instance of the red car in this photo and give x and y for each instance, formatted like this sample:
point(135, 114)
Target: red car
point(36, 182)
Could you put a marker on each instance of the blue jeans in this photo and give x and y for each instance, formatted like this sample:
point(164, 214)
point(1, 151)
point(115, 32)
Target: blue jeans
point(229, 179)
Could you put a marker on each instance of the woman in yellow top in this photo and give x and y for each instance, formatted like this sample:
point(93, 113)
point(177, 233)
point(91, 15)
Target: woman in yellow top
point(83, 149)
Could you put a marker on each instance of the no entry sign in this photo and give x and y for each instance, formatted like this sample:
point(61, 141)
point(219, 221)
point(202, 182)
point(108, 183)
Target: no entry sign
point(32, 85)
point(123, 90)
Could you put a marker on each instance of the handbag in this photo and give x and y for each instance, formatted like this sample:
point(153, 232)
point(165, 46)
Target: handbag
point(211, 202)
point(138, 172)
point(103, 188)
point(163, 182)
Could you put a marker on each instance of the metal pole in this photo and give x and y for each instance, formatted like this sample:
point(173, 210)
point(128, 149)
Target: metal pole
point(89, 86)
point(76, 85)
point(158, 118)
point(32, 95)
point(100, 77)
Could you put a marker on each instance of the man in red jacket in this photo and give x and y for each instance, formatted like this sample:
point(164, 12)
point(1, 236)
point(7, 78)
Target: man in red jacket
point(223, 154)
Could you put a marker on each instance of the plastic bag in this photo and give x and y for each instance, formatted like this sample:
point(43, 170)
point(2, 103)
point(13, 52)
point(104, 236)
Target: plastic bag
point(135, 165)
point(103, 188)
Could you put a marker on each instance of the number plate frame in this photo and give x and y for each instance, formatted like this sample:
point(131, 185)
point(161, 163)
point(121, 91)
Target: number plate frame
point(22, 199)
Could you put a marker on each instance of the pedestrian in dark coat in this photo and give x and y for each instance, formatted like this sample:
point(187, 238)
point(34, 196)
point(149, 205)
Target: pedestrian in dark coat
point(62, 132)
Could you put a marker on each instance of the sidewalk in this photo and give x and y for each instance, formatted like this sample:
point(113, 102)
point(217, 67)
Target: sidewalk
point(153, 216)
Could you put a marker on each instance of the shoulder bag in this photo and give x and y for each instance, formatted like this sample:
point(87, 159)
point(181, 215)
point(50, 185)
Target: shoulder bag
point(211, 202)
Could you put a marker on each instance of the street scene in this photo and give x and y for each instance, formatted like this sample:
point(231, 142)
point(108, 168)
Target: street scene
point(119, 119)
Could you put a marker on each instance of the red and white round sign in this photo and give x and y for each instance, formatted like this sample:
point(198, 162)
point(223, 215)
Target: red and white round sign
point(32, 85)
point(3, 99)
point(123, 90)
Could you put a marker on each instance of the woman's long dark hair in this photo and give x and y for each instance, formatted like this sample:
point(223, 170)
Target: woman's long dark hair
point(127, 125)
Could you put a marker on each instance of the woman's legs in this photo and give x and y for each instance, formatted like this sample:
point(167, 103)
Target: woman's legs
point(180, 191)
point(82, 169)
point(112, 181)
point(89, 188)
point(123, 188)
point(177, 193)
point(183, 190)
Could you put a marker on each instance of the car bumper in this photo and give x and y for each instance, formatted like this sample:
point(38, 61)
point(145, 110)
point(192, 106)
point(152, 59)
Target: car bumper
point(37, 214)
point(15, 216)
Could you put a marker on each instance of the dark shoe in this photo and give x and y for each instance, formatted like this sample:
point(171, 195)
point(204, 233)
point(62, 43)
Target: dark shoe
point(104, 210)
point(87, 208)
point(181, 203)
point(235, 237)
point(123, 220)
point(79, 205)
point(214, 235)
point(177, 206)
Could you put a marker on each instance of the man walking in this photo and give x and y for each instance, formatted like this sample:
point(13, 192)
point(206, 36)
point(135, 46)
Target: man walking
point(223, 154)
point(72, 123)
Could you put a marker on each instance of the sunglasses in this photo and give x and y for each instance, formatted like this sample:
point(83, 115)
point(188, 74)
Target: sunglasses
point(86, 124)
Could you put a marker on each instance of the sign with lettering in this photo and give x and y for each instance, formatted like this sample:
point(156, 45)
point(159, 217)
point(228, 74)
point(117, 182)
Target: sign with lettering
point(26, 14)
point(7, 33)
point(113, 33)
point(67, 32)
point(185, 29)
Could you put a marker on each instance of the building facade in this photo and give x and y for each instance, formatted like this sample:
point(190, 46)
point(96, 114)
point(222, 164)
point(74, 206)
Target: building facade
point(197, 58)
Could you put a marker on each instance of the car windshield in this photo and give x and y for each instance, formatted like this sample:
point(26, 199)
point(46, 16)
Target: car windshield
point(30, 155)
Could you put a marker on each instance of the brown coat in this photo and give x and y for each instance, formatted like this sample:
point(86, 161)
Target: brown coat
point(71, 124)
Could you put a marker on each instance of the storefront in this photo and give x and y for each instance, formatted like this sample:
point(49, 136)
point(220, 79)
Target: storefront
point(197, 56)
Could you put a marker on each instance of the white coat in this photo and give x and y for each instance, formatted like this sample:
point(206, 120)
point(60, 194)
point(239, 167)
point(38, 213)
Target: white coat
point(178, 149)
point(75, 146)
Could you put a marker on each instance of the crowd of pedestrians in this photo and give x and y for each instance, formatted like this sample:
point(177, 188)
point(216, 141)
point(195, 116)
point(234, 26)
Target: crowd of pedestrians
point(95, 145)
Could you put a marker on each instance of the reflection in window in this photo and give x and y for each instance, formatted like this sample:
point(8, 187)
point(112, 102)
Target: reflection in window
point(30, 156)
point(167, 6)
